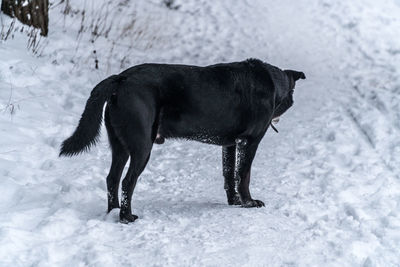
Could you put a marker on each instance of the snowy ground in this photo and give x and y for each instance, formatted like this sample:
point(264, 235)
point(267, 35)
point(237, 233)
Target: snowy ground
point(330, 179)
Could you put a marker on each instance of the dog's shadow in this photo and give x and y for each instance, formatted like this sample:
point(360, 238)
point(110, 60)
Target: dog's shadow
point(181, 207)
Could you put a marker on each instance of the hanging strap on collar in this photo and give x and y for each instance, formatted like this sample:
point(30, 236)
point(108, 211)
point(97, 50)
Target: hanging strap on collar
point(273, 127)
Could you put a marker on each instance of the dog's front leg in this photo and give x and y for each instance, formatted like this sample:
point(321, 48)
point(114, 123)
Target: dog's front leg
point(228, 169)
point(245, 152)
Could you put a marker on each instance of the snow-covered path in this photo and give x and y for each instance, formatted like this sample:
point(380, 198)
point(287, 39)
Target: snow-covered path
point(330, 179)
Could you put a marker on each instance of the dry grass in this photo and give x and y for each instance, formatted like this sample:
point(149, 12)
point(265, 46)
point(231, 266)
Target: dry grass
point(107, 32)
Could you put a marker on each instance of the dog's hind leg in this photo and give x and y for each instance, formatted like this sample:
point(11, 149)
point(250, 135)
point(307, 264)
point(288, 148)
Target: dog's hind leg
point(228, 168)
point(139, 135)
point(120, 156)
point(137, 165)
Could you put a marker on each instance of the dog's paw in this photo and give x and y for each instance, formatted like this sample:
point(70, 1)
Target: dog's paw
point(127, 218)
point(234, 200)
point(252, 203)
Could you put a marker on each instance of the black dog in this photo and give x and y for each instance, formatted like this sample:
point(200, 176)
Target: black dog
point(230, 105)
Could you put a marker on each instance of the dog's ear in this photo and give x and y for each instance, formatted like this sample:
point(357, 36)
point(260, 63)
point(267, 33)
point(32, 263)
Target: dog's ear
point(295, 74)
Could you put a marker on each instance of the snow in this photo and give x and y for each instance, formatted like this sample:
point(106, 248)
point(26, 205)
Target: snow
point(330, 179)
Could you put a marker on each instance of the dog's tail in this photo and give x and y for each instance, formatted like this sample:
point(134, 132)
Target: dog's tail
point(86, 134)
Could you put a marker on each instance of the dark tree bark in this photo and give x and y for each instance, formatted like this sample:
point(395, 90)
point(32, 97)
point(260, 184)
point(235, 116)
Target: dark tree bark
point(35, 13)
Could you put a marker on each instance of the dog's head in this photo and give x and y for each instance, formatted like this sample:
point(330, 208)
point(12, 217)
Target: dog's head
point(287, 100)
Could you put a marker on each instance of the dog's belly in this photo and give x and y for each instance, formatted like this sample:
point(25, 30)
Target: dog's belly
point(214, 140)
point(197, 132)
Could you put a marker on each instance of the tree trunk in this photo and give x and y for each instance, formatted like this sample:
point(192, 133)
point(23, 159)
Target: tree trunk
point(32, 12)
